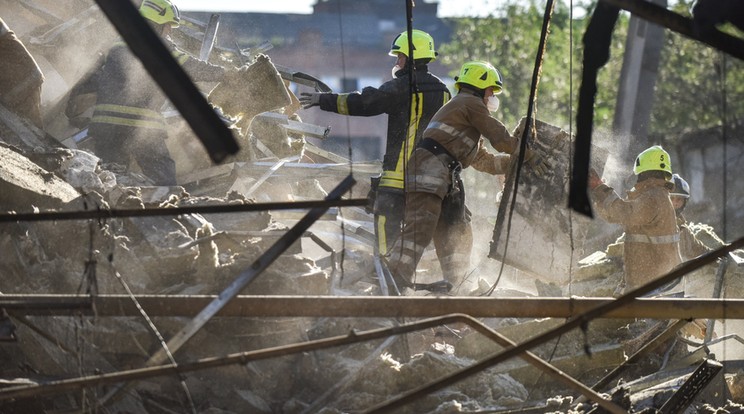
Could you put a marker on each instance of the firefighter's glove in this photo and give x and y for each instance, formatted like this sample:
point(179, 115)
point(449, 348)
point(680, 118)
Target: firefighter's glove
point(538, 164)
point(308, 100)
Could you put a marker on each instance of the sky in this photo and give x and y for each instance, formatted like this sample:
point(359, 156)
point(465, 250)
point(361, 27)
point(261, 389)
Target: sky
point(447, 8)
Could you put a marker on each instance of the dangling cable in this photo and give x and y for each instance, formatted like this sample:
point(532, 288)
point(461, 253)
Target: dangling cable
point(724, 132)
point(528, 130)
point(349, 148)
point(413, 106)
point(154, 330)
point(570, 134)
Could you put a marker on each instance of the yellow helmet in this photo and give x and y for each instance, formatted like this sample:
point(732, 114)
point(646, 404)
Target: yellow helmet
point(160, 12)
point(480, 75)
point(423, 45)
point(653, 159)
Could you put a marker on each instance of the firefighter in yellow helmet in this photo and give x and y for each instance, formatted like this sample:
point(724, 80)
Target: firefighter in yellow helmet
point(127, 125)
point(651, 245)
point(408, 113)
point(435, 197)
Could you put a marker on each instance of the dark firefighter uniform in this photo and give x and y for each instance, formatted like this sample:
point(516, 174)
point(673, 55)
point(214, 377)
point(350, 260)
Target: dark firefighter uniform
point(454, 140)
point(408, 116)
point(127, 123)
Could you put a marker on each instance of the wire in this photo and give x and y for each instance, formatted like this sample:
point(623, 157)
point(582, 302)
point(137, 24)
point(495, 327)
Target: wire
point(570, 134)
point(151, 325)
point(528, 128)
point(412, 107)
point(350, 149)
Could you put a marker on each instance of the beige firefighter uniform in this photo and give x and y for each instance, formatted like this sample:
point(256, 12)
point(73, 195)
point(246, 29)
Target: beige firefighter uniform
point(690, 246)
point(20, 77)
point(453, 140)
point(651, 246)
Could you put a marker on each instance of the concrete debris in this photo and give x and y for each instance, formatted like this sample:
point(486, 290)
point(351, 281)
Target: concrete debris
point(249, 91)
point(536, 220)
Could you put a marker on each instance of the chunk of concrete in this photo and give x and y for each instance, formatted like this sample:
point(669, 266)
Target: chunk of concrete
point(543, 230)
point(24, 184)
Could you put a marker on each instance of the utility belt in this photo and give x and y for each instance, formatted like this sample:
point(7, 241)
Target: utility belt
point(447, 159)
point(453, 204)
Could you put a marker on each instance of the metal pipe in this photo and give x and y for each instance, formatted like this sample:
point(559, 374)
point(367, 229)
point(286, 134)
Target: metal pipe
point(175, 211)
point(54, 387)
point(574, 322)
point(372, 306)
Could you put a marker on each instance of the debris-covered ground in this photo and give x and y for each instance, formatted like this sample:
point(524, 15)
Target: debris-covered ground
point(187, 255)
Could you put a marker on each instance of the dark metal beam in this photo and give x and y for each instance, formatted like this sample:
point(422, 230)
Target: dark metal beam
point(369, 306)
point(246, 357)
point(654, 13)
point(175, 211)
point(581, 320)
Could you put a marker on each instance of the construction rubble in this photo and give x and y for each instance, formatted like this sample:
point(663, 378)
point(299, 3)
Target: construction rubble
point(640, 364)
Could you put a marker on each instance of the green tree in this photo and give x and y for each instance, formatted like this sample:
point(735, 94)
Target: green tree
point(697, 85)
point(510, 39)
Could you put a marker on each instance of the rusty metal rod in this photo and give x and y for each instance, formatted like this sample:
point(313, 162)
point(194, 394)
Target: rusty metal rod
point(372, 306)
point(59, 386)
point(654, 13)
point(668, 333)
point(574, 322)
point(175, 211)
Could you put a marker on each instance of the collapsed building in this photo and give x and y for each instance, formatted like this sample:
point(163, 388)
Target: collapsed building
point(227, 294)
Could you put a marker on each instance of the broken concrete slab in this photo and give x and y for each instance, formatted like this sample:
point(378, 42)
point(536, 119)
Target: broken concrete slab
point(540, 214)
point(24, 184)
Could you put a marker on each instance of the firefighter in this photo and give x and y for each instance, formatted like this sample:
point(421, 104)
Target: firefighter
point(408, 114)
point(435, 197)
point(651, 245)
point(690, 246)
point(127, 124)
point(20, 77)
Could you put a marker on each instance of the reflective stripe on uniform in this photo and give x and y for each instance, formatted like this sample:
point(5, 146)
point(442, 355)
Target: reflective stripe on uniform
point(128, 116)
point(448, 129)
point(342, 104)
point(382, 235)
point(642, 238)
point(394, 179)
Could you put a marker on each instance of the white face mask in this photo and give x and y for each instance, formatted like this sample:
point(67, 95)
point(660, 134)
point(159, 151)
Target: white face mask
point(395, 69)
point(492, 103)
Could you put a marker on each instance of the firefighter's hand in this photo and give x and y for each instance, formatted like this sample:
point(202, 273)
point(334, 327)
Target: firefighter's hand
point(308, 100)
point(538, 164)
point(594, 179)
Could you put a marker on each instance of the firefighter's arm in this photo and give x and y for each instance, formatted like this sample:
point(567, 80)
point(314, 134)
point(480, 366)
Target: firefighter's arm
point(489, 162)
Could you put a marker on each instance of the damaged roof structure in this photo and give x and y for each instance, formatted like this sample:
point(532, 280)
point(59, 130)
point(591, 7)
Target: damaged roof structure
point(250, 287)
